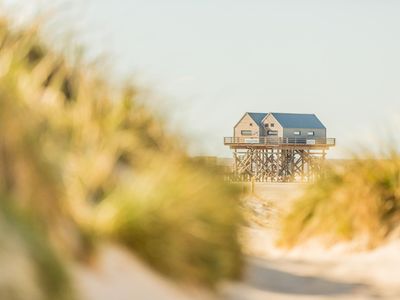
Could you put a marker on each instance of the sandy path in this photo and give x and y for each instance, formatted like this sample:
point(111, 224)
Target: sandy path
point(310, 272)
point(118, 275)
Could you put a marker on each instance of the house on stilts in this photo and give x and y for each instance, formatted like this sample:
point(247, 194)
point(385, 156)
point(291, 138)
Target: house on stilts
point(281, 147)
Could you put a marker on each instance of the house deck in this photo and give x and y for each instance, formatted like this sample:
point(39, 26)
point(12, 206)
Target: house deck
point(278, 142)
point(278, 147)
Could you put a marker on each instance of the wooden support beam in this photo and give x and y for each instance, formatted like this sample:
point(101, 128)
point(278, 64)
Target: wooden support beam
point(274, 164)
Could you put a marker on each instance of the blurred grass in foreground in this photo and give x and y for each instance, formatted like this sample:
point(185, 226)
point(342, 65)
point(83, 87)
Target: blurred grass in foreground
point(30, 269)
point(87, 162)
point(358, 201)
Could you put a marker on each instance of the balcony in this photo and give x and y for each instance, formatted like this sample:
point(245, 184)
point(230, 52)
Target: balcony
point(278, 141)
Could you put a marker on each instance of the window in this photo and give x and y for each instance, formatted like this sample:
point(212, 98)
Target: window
point(272, 125)
point(297, 133)
point(266, 124)
point(251, 124)
point(246, 132)
point(310, 133)
point(272, 132)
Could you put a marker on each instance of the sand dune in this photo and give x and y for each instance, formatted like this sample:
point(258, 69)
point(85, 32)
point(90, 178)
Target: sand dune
point(309, 271)
point(117, 274)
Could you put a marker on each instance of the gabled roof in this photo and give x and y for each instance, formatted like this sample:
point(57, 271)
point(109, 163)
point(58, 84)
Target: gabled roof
point(298, 120)
point(257, 117)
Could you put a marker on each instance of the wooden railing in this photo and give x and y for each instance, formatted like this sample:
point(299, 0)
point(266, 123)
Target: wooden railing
point(279, 141)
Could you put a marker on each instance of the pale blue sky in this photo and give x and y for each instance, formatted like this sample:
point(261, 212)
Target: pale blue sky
point(215, 59)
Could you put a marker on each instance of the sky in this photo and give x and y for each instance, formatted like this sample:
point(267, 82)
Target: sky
point(209, 61)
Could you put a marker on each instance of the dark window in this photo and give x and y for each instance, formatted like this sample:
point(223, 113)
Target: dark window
point(272, 125)
point(251, 124)
point(266, 124)
point(246, 132)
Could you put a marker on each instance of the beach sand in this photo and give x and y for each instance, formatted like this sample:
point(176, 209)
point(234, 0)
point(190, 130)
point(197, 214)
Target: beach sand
point(309, 271)
point(306, 272)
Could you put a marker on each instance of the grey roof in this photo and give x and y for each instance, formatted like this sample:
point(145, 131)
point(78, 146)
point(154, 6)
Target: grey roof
point(257, 117)
point(298, 120)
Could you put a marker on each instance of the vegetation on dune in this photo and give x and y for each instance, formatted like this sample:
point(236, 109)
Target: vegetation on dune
point(184, 229)
point(358, 201)
point(30, 268)
point(88, 162)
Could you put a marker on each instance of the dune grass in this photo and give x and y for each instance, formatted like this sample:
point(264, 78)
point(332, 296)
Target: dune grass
point(90, 163)
point(359, 201)
point(185, 229)
point(30, 268)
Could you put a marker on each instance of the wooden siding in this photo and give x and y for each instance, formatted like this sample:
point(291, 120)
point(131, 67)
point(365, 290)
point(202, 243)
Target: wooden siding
point(245, 124)
point(271, 119)
point(319, 133)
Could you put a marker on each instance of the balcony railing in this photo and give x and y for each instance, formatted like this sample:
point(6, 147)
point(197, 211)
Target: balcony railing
point(279, 141)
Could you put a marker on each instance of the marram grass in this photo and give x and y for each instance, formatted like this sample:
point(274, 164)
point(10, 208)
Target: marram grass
point(91, 163)
point(179, 237)
point(359, 201)
point(30, 268)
